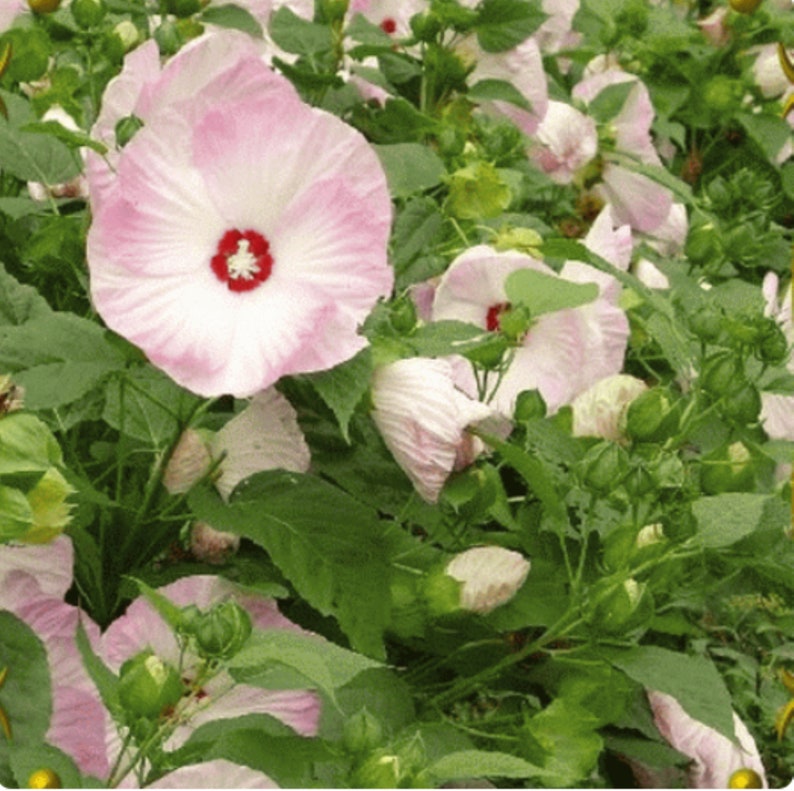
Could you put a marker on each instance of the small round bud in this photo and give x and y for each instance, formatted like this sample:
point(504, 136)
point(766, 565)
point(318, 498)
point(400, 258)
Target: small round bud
point(743, 407)
point(381, 770)
point(772, 346)
point(88, 13)
point(127, 34)
point(362, 732)
point(167, 37)
point(745, 778)
point(126, 128)
point(604, 467)
point(707, 324)
point(650, 535)
point(47, 778)
point(44, 6)
point(221, 632)
point(403, 315)
point(728, 469)
point(721, 373)
point(425, 26)
point(148, 686)
point(529, 406)
point(624, 608)
point(647, 417)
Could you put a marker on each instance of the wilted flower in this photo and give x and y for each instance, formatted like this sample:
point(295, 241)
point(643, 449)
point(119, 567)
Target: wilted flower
point(564, 352)
point(490, 576)
point(189, 463)
point(600, 410)
point(210, 545)
point(244, 236)
point(422, 418)
point(715, 758)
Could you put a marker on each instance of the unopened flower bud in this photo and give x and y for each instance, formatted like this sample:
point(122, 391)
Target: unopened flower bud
point(425, 26)
point(127, 33)
point(743, 406)
point(529, 406)
point(43, 6)
point(47, 778)
point(362, 732)
point(212, 546)
point(721, 372)
point(649, 535)
point(378, 771)
point(148, 686)
point(651, 416)
point(727, 469)
point(599, 410)
point(87, 13)
point(623, 608)
point(489, 576)
point(188, 464)
point(604, 466)
point(221, 632)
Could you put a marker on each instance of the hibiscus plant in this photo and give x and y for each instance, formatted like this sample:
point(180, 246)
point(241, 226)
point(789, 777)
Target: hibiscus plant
point(396, 394)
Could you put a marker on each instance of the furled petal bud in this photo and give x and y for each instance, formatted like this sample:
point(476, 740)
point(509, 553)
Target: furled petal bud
point(423, 417)
point(188, 464)
point(490, 576)
point(599, 410)
point(210, 545)
point(221, 632)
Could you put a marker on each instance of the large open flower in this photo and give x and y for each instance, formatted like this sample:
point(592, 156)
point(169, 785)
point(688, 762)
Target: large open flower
point(243, 238)
point(564, 352)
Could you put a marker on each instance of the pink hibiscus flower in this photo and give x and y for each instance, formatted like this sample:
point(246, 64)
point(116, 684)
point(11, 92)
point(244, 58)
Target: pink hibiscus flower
point(564, 352)
point(244, 235)
point(141, 628)
point(9, 10)
point(33, 582)
point(777, 410)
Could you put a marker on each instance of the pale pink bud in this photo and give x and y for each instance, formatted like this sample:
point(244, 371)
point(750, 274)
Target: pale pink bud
point(188, 464)
point(491, 576)
point(600, 410)
point(210, 545)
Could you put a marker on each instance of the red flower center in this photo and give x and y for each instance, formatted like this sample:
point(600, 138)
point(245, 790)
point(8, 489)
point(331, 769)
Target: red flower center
point(243, 260)
point(494, 314)
point(388, 25)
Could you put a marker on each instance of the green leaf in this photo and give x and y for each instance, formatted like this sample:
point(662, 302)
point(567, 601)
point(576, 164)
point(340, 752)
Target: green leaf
point(482, 763)
point(26, 445)
point(31, 757)
point(105, 680)
point(564, 740)
point(35, 157)
point(609, 102)
point(72, 139)
point(165, 608)
point(727, 518)
point(768, 132)
point(343, 387)
point(498, 90)
point(280, 659)
point(787, 179)
point(146, 404)
point(25, 693)
point(56, 384)
point(410, 168)
point(234, 17)
point(297, 35)
point(503, 24)
point(692, 680)
point(442, 338)
point(326, 543)
point(19, 303)
point(543, 293)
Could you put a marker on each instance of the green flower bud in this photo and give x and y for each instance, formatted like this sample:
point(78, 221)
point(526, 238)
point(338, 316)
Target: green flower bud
point(51, 513)
point(652, 416)
point(638, 482)
point(88, 13)
point(707, 324)
point(221, 632)
point(743, 407)
point(702, 244)
point(362, 732)
point(127, 34)
point(402, 315)
point(722, 371)
point(722, 93)
point(623, 608)
point(381, 770)
point(333, 11)
point(604, 466)
point(425, 26)
point(167, 37)
point(189, 28)
point(772, 346)
point(529, 406)
point(523, 239)
point(727, 469)
point(148, 686)
point(650, 535)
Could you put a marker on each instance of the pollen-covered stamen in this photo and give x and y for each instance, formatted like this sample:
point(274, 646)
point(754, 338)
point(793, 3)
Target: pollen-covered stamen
point(494, 315)
point(242, 260)
point(388, 25)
